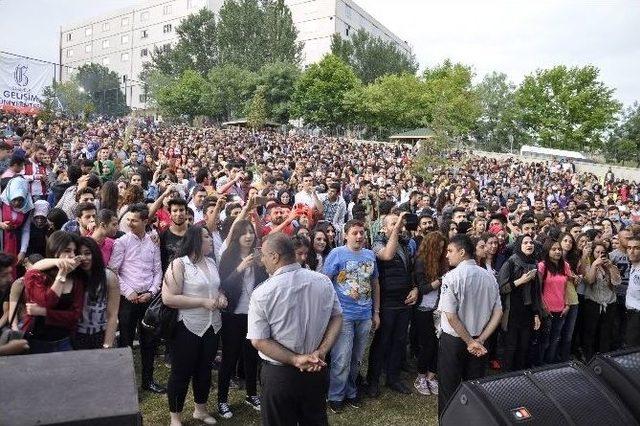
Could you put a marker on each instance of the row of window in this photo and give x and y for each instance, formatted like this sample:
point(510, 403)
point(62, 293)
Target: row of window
point(124, 39)
point(124, 57)
point(144, 16)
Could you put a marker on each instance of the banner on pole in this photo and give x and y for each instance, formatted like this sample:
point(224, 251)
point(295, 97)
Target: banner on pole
point(22, 82)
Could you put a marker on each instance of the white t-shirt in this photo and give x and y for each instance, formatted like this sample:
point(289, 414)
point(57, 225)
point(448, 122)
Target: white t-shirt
point(633, 291)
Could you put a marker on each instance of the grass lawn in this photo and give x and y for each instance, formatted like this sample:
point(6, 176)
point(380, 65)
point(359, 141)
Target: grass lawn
point(390, 409)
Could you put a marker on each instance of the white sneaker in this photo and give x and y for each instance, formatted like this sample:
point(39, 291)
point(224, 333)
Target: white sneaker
point(224, 411)
point(421, 385)
point(433, 386)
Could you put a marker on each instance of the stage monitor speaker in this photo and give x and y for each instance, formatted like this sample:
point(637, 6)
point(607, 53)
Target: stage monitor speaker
point(560, 394)
point(620, 371)
point(95, 387)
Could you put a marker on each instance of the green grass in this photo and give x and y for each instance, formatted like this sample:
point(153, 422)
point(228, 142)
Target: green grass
point(390, 409)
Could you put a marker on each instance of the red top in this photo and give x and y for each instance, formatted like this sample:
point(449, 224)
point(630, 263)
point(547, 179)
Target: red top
point(37, 287)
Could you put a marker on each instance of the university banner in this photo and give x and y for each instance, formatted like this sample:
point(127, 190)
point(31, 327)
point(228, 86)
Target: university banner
point(22, 82)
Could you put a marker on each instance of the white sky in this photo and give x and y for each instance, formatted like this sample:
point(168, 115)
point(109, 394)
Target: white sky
point(515, 37)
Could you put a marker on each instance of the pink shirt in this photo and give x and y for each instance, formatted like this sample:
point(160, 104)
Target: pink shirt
point(137, 263)
point(106, 248)
point(553, 288)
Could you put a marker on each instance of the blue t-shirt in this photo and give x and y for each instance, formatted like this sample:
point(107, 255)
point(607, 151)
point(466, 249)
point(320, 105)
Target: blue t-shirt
point(351, 273)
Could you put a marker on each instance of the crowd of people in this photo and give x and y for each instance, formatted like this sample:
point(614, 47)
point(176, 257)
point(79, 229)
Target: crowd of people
point(284, 252)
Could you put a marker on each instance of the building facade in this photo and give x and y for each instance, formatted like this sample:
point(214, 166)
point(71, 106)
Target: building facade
point(124, 40)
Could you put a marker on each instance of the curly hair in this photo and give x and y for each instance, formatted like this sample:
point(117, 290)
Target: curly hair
point(433, 253)
point(133, 195)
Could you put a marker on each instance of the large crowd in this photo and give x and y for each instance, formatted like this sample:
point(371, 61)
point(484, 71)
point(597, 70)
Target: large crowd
point(283, 252)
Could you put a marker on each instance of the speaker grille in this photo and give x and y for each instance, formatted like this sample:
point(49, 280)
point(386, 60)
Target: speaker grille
point(577, 396)
point(631, 364)
point(514, 392)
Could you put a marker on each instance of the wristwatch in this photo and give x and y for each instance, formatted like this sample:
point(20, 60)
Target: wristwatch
point(61, 278)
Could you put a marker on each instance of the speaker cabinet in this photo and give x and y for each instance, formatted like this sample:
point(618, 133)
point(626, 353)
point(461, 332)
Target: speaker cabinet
point(620, 371)
point(561, 394)
point(94, 387)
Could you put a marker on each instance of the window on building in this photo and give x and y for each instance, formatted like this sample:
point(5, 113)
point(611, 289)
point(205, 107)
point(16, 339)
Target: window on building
point(142, 98)
point(167, 28)
point(166, 47)
point(144, 52)
point(124, 57)
point(87, 48)
point(125, 39)
point(125, 21)
point(166, 9)
point(105, 26)
point(105, 44)
point(88, 31)
point(346, 31)
point(189, 4)
point(69, 53)
point(105, 61)
point(68, 36)
point(144, 34)
point(144, 16)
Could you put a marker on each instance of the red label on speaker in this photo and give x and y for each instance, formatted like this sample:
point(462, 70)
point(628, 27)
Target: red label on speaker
point(521, 414)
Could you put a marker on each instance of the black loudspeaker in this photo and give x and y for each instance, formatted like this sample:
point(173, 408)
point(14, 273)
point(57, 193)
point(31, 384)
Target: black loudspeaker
point(620, 371)
point(94, 387)
point(560, 394)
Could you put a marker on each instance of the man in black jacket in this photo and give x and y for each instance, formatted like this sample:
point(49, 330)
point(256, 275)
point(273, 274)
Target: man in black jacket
point(397, 294)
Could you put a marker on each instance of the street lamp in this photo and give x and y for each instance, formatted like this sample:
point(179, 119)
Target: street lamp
point(81, 89)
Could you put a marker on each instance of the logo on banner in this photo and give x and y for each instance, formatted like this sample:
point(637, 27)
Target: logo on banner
point(20, 75)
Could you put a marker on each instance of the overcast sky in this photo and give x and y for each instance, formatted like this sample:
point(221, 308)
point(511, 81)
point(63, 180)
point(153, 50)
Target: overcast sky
point(515, 36)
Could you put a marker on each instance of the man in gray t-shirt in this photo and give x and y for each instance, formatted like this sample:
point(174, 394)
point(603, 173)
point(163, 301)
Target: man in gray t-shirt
point(471, 311)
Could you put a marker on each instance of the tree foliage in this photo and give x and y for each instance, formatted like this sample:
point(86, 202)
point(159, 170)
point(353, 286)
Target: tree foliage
point(229, 88)
point(278, 81)
point(624, 142)
point(66, 98)
point(371, 57)
point(566, 108)
point(105, 89)
point(184, 96)
point(257, 109)
point(320, 92)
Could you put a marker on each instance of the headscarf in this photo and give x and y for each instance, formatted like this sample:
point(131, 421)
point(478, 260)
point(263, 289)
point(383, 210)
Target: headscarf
point(517, 250)
point(18, 187)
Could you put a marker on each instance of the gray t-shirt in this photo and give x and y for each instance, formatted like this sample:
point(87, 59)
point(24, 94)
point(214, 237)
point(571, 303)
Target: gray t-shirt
point(621, 260)
point(293, 307)
point(472, 293)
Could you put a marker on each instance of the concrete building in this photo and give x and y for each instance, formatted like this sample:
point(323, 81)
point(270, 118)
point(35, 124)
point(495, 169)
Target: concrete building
point(124, 40)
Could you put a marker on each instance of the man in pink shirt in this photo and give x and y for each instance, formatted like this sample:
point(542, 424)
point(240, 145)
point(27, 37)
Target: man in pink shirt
point(136, 261)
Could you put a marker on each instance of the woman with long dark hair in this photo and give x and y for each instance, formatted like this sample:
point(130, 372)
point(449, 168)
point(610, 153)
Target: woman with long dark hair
point(191, 285)
point(554, 273)
point(54, 296)
point(319, 250)
point(571, 255)
point(599, 305)
point(109, 196)
point(99, 322)
point(239, 275)
point(519, 285)
point(431, 264)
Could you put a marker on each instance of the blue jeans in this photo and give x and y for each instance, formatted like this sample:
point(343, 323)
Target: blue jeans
point(564, 351)
point(551, 335)
point(346, 358)
point(43, 346)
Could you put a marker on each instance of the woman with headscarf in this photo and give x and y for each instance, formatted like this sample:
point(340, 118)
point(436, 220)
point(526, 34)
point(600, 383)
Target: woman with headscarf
point(519, 285)
point(15, 217)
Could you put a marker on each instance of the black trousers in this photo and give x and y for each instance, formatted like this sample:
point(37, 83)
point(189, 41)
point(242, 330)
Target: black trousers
point(597, 328)
point(130, 318)
point(632, 337)
point(191, 360)
point(234, 344)
point(427, 342)
point(516, 346)
point(620, 323)
point(455, 365)
point(389, 344)
point(291, 397)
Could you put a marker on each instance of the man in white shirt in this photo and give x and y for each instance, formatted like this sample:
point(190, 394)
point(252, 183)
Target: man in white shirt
point(632, 301)
point(308, 195)
point(471, 311)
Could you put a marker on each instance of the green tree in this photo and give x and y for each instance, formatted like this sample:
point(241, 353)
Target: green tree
point(196, 49)
point(280, 35)
point(229, 88)
point(497, 125)
point(66, 97)
point(624, 142)
point(257, 109)
point(278, 80)
point(371, 57)
point(319, 95)
point(185, 96)
point(566, 108)
point(104, 87)
point(451, 104)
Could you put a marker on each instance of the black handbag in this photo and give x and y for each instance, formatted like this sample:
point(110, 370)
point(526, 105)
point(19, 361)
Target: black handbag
point(159, 318)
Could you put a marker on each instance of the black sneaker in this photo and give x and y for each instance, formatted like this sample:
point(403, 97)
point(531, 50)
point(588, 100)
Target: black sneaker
point(253, 402)
point(373, 390)
point(224, 411)
point(336, 406)
point(354, 402)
